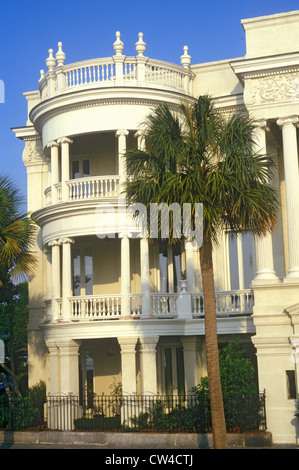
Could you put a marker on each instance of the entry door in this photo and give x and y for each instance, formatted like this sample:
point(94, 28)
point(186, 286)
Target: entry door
point(173, 371)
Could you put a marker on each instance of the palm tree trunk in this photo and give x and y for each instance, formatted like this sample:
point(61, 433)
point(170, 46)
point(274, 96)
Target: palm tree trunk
point(217, 410)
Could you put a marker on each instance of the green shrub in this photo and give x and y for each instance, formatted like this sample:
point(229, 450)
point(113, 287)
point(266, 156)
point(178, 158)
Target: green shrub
point(18, 413)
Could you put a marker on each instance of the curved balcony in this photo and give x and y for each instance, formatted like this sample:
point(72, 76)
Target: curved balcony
point(118, 70)
point(92, 187)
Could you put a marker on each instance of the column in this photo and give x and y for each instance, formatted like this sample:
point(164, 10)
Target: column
point(121, 134)
point(65, 166)
point(66, 277)
point(69, 366)
point(190, 364)
point(48, 293)
point(148, 364)
point(54, 367)
point(145, 276)
point(290, 156)
point(56, 283)
point(170, 272)
point(125, 274)
point(189, 265)
point(54, 146)
point(128, 364)
point(263, 245)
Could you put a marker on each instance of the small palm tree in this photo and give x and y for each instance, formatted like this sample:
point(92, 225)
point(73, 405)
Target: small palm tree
point(17, 260)
point(194, 157)
point(16, 233)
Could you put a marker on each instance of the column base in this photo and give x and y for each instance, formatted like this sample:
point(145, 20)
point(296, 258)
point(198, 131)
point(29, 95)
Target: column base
point(266, 277)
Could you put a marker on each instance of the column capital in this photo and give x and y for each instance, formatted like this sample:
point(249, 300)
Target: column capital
point(64, 140)
point(260, 123)
point(287, 121)
point(52, 143)
point(127, 344)
point(65, 240)
point(68, 347)
point(121, 132)
point(54, 243)
point(52, 347)
point(125, 235)
point(148, 343)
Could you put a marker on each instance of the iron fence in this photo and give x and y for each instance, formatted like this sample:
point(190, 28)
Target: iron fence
point(129, 413)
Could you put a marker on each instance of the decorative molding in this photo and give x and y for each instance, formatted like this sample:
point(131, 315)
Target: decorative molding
point(33, 152)
point(272, 88)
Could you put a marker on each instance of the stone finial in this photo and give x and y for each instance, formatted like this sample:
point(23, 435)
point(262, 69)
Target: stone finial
point(118, 45)
point(185, 58)
point(60, 55)
point(42, 74)
point(50, 61)
point(140, 45)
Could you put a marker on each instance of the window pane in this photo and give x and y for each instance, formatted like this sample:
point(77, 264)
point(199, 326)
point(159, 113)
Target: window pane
point(86, 169)
point(168, 371)
point(75, 169)
point(88, 271)
point(76, 272)
point(233, 262)
point(248, 258)
point(180, 371)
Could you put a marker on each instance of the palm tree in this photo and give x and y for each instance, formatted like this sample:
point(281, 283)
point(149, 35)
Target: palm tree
point(197, 156)
point(17, 260)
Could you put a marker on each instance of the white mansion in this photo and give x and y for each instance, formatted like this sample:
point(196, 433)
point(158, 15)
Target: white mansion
point(105, 304)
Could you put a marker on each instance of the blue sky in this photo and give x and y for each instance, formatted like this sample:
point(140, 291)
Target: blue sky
point(29, 28)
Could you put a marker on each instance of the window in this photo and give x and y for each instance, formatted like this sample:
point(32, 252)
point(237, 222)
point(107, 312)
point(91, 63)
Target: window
point(291, 384)
point(80, 168)
point(82, 266)
point(173, 367)
point(241, 262)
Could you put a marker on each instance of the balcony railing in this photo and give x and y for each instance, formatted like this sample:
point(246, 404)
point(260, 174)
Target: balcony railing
point(228, 303)
point(110, 72)
point(108, 307)
point(92, 187)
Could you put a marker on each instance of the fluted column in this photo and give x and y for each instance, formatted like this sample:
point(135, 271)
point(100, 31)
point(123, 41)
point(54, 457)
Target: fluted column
point(66, 277)
point(290, 156)
point(263, 245)
point(56, 282)
point(128, 364)
point(189, 265)
point(121, 134)
point(145, 276)
point(148, 364)
point(65, 166)
point(54, 146)
point(125, 274)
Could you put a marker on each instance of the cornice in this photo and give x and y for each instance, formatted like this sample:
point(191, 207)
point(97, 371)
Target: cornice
point(95, 97)
point(266, 66)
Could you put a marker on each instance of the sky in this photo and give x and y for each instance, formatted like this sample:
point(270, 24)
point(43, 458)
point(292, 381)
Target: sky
point(212, 30)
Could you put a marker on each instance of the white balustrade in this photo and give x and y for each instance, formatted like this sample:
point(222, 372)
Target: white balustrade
point(239, 302)
point(93, 307)
point(97, 307)
point(89, 72)
point(93, 187)
point(86, 188)
point(103, 73)
point(136, 304)
point(164, 305)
